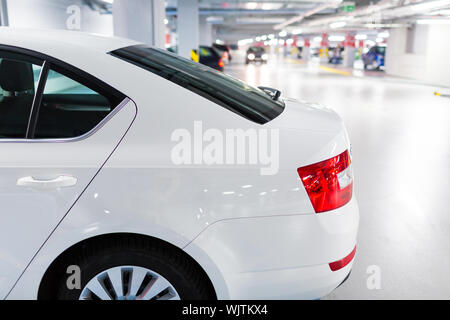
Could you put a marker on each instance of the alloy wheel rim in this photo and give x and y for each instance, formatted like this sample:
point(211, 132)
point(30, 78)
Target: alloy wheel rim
point(129, 283)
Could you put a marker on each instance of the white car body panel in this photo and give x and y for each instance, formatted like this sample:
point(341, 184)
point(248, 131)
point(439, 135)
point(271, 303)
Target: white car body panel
point(140, 190)
point(32, 214)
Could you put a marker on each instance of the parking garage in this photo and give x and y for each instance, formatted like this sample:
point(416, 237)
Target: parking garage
point(381, 65)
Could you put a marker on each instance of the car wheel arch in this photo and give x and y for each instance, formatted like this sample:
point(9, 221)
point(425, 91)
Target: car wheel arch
point(49, 281)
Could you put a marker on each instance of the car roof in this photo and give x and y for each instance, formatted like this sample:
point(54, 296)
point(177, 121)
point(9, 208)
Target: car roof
point(34, 38)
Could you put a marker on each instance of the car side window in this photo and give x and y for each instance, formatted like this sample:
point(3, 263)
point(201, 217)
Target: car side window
point(70, 109)
point(19, 75)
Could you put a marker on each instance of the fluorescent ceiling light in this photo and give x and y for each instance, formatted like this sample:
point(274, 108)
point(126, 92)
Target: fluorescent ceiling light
point(244, 42)
point(290, 41)
point(258, 38)
point(336, 38)
point(433, 21)
point(361, 37)
point(379, 40)
point(264, 37)
point(384, 34)
point(251, 5)
point(283, 33)
point(296, 31)
point(317, 39)
point(338, 24)
point(271, 36)
point(383, 25)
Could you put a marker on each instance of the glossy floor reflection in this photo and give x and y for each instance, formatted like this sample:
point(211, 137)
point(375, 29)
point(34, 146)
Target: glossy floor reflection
point(400, 137)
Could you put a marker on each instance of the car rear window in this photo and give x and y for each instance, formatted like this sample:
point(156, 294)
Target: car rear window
point(256, 50)
point(208, 52)
point(233, 94)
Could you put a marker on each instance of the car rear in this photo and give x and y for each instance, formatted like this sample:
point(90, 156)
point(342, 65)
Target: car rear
point(288, 253)
point(290, 235)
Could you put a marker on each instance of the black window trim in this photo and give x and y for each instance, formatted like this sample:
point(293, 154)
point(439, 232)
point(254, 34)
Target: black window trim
point(73, 73)
point(37, 100)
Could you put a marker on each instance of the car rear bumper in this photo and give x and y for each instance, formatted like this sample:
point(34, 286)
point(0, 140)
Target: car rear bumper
point(278, 257)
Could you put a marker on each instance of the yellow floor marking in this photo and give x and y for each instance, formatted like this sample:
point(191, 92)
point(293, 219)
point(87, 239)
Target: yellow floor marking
point(333, 70)
point(294, 61)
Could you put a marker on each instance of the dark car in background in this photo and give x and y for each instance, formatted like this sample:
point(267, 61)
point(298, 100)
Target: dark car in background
point(224, 51)
point(374, 58)
point(255, 54)
point(211, 58)
point(208, 56)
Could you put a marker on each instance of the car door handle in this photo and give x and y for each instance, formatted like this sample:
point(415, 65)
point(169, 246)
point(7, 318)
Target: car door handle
point(43, 184)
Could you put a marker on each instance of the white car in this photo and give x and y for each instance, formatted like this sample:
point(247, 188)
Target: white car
point(102, 197)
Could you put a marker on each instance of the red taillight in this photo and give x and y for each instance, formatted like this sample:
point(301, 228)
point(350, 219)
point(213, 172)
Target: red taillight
point(337, 265)
point(221, 64)
point(329, 183)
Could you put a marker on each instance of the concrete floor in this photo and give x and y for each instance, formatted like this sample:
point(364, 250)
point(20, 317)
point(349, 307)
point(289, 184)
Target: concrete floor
point(400, 137)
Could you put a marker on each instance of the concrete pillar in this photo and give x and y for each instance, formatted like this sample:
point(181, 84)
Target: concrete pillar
point(324, 48)
point(141, 20)
point(349, 51)
point(188, 27)
point(305, 50)
point(3, 13)
point(205, 29)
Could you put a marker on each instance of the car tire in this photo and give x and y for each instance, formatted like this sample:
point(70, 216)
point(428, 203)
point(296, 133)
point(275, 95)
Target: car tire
point(164, 260)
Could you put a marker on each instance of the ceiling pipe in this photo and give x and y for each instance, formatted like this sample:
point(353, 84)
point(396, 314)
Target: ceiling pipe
point(383, 10)
point(329, 5)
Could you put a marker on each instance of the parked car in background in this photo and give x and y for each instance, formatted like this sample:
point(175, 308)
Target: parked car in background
point(211, 57)
point(335, 54)
point(224, 50)
point(256, 54)
point(374, 58)
point(208, 56)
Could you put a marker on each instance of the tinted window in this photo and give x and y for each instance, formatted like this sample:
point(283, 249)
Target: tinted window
point(227, 91)
point(207, 52)
point(69, 108)
point(256, 50)
point(381, 50)
point(18, 81)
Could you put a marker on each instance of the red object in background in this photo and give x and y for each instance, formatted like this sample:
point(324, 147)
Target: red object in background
point(306, 43)
point(167, 38)
point(324, 42)
point(294, 42)
point(221, 63)
point(337, 265)
point(360, 44)
point(349, 41)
